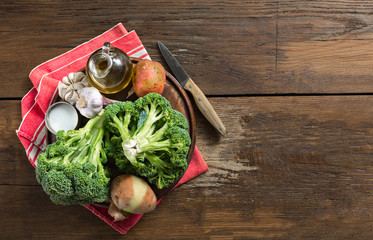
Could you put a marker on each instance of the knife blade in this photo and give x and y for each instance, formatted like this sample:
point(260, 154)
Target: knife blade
point(188, 84)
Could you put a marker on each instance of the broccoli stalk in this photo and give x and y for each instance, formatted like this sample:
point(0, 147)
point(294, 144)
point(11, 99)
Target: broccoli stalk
point(134, 146)
point(71, 170)
point(153, 138)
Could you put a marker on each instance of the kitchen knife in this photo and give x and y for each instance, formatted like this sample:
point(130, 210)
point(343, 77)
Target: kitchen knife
point(187, 83)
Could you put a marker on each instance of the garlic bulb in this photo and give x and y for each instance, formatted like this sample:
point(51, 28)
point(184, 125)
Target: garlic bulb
point(89, 102)
point(70, 85)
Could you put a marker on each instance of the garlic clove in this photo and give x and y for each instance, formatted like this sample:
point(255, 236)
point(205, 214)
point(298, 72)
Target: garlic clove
point(65, 80)
point(70, 97)
point(84, 81)
point(61, 89)
point(70, 85)
point(78, 86)
point(71, 77)
point(78, 76)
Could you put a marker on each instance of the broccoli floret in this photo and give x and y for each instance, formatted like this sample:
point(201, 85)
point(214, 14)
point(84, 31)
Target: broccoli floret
point(152, 137)
point(56, 183)
point(178, 119)
point(71, 169)
point(119, 119)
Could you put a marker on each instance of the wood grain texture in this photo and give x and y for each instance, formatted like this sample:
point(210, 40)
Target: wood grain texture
point(205, 107)
point(323, 46)
point(289, 168)
point(231, 41)
point(227, 47)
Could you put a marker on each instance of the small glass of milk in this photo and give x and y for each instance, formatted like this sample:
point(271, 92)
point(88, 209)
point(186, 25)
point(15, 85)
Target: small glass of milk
point(61, 116)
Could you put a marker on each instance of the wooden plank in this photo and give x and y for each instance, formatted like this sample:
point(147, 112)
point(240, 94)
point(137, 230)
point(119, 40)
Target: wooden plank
point(290, 167)
point(245, 47)
point(233, 42)
point(323, 47)
point(15, 168)
point(249, 47)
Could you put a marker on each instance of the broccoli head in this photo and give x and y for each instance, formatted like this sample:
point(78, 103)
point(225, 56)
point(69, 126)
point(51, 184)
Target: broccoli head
point(148, 138)
point(71, 170)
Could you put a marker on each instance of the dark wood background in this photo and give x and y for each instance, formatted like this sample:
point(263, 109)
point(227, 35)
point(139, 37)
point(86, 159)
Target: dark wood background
point(291, 80)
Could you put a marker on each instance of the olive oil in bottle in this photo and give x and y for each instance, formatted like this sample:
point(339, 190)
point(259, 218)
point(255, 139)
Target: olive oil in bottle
point(109, 69)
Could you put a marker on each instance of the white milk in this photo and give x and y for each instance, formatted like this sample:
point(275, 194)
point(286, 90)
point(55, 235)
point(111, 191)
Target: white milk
point(62, 117)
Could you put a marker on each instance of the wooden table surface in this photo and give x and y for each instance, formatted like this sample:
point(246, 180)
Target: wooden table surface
point(291, 80)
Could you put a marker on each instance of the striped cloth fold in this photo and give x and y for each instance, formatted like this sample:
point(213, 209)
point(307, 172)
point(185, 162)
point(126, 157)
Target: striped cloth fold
point(32, 131)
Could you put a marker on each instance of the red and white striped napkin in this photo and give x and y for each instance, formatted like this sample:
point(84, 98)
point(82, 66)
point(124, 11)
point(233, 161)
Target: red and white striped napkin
point(45, 78)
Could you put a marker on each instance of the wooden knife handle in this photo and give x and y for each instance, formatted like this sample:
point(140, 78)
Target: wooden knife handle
point(205, 106)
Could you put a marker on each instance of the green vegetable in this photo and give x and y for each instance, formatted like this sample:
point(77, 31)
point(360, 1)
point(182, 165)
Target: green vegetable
point(148, 138)
point(71, 170)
